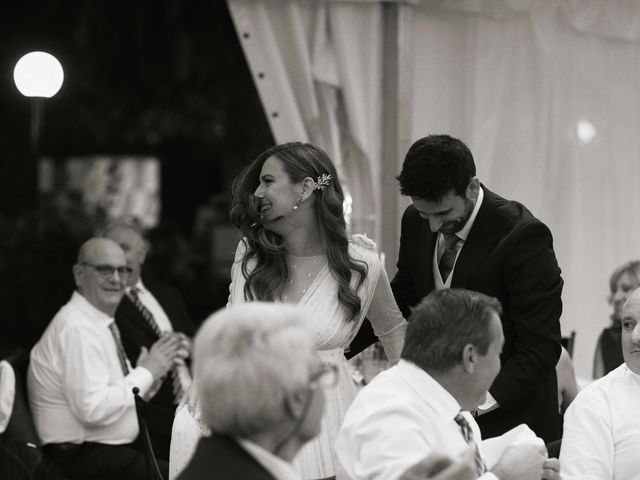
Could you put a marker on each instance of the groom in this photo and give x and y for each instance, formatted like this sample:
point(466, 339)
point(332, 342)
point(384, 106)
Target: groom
point(457, 233)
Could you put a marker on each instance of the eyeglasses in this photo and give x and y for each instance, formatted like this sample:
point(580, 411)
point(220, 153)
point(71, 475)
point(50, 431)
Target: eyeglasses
point(107, 271)
point(325, 378)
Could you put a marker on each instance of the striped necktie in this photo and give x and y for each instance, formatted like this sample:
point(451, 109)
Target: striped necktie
point(134, 295)
point(178, 378)
point(122, 356)
point(467, 434)
point(448, 259)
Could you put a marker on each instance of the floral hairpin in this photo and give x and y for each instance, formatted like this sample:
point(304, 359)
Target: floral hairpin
point(323, 182)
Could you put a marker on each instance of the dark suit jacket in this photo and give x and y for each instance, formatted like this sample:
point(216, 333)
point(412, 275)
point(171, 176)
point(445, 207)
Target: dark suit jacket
point(136, 333)
point(508, 255)
point(219, 457)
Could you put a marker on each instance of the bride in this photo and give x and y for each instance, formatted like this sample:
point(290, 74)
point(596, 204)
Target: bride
point(288, 204)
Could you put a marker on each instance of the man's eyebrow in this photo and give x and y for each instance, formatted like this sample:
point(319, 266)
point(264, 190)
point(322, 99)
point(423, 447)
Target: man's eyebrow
point(439, 212)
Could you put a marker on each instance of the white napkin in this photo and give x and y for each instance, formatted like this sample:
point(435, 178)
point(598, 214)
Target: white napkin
point(493, 448)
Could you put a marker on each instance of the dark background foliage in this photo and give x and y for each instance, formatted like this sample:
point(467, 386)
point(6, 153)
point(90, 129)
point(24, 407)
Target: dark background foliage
point(161, 78)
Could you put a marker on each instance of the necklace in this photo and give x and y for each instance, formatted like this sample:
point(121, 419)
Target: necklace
point(302, 272)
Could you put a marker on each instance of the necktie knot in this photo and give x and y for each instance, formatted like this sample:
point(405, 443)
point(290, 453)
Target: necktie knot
point(451, 241)
point(467, 433)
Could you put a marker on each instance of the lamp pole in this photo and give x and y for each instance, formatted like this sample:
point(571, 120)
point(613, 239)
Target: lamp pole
point(36, 120)
point(37, 75)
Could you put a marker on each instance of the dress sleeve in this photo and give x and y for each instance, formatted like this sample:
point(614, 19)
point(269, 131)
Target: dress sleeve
point(237, 282)
point(386, 319)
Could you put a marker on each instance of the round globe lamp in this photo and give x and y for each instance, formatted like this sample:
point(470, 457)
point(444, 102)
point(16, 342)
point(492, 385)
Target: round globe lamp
point(38, 74)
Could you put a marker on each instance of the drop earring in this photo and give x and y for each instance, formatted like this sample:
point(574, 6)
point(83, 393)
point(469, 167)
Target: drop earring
point(295, 207)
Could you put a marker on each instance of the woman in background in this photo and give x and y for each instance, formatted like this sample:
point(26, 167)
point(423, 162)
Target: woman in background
point(624, 280)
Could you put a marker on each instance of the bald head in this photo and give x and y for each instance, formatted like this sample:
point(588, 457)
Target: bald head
point(630, 319)
point(132, 243)
point(100, 273)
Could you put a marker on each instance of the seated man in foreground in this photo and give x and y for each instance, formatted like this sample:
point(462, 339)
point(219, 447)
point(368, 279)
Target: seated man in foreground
point(421, 406)
point(80, 381)
point(260, 386)
point(602, 426)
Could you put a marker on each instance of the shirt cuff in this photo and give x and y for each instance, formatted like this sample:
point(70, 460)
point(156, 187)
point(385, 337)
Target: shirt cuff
point(142, 378)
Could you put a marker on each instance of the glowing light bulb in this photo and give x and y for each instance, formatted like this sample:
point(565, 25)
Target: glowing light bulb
point(38, 74)
point(586, 131)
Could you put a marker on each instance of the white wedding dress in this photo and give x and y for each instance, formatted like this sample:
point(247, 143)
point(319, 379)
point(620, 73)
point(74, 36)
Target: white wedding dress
point(332, 332)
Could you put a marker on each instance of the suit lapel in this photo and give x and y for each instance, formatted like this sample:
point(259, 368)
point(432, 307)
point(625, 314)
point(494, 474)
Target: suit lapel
point(132, 314)
point(419, 254)
point(481, 240)
point(426, 259)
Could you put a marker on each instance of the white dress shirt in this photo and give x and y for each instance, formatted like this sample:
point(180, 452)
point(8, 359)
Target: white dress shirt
point(77, 390)
point(276, 466)
point(602, 430)
point(402, 416)
point(7, 393)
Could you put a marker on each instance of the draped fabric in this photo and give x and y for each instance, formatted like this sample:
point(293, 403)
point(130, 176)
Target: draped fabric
point(544, 92)
point(327, 319)
point(317, 68)
point(546, 95)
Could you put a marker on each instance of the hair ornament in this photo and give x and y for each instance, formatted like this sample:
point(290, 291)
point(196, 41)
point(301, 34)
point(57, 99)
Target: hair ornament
point(323, 182)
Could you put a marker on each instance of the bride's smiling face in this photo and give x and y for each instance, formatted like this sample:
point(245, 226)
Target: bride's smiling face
point(276, 193)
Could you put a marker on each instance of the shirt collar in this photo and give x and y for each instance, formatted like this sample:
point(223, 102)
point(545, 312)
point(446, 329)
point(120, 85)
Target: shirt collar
point(464, 231)
point(139, 286)
point(429, 389)
point(276, 466)
point(632, 374)
point(83, 304)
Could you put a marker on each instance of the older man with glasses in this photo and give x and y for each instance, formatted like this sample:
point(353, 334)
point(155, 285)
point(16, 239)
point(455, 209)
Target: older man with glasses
point(80, 380)
point(261, 392)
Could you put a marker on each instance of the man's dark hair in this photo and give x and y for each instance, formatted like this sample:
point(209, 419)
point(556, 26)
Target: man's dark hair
point(443, 323)
point(434, 166)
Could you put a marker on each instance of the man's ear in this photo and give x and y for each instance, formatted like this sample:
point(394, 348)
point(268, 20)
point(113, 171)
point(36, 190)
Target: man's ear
point(473, 189)
point(294, 403)
point(469, 358)
point(77, 273)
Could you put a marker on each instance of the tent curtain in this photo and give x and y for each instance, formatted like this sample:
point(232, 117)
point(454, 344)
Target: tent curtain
point(546, 95)
point(544, 92)
point(317, 67)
